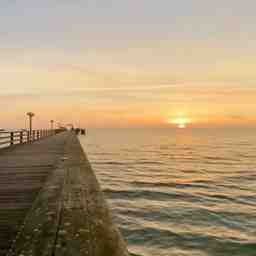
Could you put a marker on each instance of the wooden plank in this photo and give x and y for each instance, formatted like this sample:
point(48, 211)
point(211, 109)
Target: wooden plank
point(37, 234)
point(23, 171)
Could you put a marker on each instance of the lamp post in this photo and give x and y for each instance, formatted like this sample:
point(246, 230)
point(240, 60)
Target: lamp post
point(52, 121)
point(30, 115)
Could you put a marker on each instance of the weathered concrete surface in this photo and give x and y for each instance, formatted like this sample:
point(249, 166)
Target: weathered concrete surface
point(51, 202)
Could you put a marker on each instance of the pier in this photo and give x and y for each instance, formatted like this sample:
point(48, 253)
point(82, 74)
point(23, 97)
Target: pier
point(51, 203)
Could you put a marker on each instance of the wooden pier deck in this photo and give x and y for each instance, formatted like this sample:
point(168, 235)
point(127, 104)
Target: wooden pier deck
point(51, 202)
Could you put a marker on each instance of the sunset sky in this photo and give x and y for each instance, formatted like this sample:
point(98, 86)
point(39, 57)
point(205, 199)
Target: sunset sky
point(121, 63)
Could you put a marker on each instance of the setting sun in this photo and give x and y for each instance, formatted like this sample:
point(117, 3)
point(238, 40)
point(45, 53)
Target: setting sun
point(180, 122)
point(181, 126)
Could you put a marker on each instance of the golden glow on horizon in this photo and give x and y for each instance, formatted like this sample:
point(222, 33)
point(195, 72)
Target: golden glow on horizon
point(150, 104)
point(180, 122)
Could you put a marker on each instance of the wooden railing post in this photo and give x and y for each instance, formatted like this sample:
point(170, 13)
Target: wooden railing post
point(33, 138)
point(12, 137)
point(37, 135)
point(21, 137)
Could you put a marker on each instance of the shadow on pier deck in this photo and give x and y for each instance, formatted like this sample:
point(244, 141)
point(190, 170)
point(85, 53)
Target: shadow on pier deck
point(51, 203)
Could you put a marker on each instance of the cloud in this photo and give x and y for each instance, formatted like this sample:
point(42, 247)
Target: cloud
point(237, 117)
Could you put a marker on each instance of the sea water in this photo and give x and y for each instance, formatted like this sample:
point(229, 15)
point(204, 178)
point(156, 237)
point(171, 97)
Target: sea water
point(179, 192)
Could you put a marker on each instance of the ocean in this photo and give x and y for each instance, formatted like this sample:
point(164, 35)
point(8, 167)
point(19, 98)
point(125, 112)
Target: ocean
point(179, 191)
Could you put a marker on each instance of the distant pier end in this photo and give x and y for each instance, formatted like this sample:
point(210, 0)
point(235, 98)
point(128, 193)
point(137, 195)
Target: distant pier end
point(51, 202)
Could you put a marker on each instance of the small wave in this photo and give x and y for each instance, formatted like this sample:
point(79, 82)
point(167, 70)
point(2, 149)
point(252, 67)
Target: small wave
point(128, 163)
point(108, 163)
point(227, 163)
point(246, 156)
point(243, 177)
point(166, 239)
point(168, 184)
point(151, 195)
point(205, 181)
point(218, 158)
point(222, 198)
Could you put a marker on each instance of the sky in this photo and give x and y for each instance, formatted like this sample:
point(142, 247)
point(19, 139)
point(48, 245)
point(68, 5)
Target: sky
point(120, 63)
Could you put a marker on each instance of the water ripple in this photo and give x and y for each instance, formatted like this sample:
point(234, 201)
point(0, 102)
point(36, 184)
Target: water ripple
point(189, 193)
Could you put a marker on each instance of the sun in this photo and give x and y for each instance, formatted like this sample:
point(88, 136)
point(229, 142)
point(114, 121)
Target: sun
point(180, 122)
point(181, 126)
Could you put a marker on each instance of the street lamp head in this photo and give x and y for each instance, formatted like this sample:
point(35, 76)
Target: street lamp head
point(30, 114)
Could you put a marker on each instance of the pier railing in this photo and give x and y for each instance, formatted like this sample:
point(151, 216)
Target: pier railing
point(9, 138)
